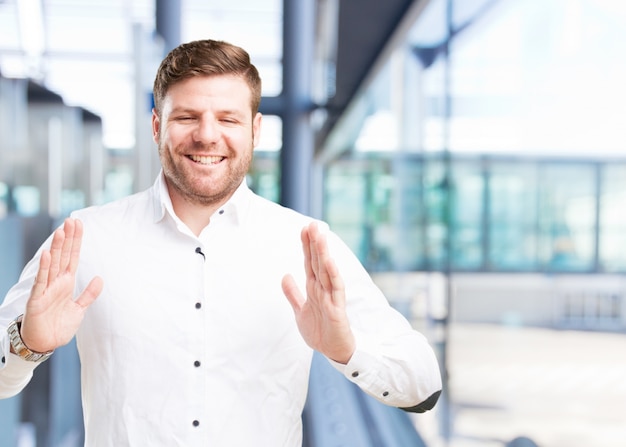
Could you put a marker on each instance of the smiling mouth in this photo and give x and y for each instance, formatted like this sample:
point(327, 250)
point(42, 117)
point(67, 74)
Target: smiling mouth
point(204, 160)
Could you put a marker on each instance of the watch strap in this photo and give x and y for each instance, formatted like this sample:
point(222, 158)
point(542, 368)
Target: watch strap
point(20, 348)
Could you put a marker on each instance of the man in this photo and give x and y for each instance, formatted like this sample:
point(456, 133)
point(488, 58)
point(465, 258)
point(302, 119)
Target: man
point(182, 298)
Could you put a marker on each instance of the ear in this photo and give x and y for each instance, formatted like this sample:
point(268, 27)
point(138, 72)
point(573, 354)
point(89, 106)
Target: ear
point(256, 129)
point(156, 126)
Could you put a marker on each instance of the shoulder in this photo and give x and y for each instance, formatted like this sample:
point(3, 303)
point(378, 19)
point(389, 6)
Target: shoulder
point(265, 213)
point(123, 217)
point(125, 208)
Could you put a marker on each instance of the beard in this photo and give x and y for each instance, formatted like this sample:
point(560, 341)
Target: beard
point(200, 189)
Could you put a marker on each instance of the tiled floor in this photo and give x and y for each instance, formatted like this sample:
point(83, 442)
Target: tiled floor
point(558, 388)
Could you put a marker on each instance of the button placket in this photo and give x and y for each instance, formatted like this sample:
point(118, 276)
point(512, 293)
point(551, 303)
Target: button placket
point(198, 350)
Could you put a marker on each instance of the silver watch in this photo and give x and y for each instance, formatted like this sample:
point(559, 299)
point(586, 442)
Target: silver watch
point(18, 344)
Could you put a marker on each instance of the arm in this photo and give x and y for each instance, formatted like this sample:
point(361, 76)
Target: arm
point(51, 313)
point(352, 324)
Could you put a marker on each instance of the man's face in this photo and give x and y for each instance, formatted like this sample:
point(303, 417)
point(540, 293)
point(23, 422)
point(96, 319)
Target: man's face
point(206, 135)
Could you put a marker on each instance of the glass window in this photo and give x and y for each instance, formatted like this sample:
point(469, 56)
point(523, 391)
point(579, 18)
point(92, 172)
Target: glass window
point(345, 204)
point(517, 76)
point(264, 176)
point(435, 204)
point(613, 219)
point(72, 199)
point(512, 215)
point(4, 200)
point(510, 92)
point(567, 217)
point(27, 200)
point(408, 214)
point(467, 202)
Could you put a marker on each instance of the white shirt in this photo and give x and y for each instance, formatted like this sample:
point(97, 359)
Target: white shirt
point(192, 341)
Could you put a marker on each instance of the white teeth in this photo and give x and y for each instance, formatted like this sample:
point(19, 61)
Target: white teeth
point(206, 160)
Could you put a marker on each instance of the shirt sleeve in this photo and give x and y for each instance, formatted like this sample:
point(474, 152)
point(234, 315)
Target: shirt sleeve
point(15, 372)
point(393, 362)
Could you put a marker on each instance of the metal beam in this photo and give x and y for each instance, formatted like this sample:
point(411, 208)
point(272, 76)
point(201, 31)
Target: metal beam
point(168, 22)
point(298, 139)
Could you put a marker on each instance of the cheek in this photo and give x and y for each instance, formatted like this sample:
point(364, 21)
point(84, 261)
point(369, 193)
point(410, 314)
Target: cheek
point(240, 141)
point(170, 137)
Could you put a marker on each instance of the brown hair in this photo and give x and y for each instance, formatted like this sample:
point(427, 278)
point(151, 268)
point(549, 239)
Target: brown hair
point(206, 58)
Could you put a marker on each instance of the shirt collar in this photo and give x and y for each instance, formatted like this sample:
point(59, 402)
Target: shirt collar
point(232, 211)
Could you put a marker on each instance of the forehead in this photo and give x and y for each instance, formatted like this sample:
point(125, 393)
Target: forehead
point(209, 91)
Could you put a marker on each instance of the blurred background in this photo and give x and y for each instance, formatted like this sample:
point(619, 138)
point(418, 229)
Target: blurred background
point(471, 152)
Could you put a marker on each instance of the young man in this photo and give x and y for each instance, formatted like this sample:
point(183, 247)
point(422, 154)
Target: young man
point(199, 303)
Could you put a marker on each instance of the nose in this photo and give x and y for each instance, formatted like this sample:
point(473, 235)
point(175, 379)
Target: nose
point(206, 131)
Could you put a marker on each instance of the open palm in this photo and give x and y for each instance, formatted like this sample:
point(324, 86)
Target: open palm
point(52, 314)
point(321, 317)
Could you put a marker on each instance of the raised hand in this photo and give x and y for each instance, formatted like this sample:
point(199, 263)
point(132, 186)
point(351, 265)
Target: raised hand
point(321, 317)
point(52, 315)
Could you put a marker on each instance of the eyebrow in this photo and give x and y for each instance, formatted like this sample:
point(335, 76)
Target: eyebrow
point(183, 110)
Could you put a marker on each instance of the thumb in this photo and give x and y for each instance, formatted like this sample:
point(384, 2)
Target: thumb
point(91, 292)
point(293, 294)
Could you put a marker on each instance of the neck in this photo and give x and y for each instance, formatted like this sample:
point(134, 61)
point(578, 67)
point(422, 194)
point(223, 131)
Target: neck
point(196, 215)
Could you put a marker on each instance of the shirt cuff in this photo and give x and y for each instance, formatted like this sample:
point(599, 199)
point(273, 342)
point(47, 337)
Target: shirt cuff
point(15, 372)
point(362, 370)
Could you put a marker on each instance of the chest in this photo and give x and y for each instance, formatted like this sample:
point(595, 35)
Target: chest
point(224, 291)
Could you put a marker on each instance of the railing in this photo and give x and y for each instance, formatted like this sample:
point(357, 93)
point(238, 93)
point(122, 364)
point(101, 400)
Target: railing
point(591, 309)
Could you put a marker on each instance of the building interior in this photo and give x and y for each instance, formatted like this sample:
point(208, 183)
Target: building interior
point(472, 153)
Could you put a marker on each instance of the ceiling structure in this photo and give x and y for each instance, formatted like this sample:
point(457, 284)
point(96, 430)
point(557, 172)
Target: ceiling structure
point(366, 30)
point(85, 50)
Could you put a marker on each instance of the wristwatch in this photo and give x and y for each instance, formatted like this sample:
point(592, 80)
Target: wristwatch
point(18, 344)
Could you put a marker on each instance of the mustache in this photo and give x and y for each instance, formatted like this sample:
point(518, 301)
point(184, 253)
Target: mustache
point(186, 148)
point(196, 146)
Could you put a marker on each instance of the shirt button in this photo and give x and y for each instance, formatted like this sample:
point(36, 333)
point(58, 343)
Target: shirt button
point(196, 363)
point(221, 211)
point(198, 305)
point(386, 393)
point(355, 374)
point(196, 423)
point(3, 359)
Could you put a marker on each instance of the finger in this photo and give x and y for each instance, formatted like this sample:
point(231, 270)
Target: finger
point(328, 273)
point(76, 246)
point(293, 294)
point(55, 253)
point(306, 248)
point(335, 282)
point(69, 229)
point(313, 237)
point(41, 280)
point(323, 260)
point(91, 292)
